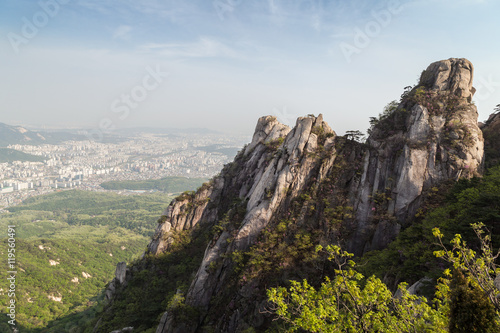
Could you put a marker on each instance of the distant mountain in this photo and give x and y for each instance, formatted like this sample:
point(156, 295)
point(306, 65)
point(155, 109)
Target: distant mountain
point(165, 131)
point(10, 155)
point(12, 135)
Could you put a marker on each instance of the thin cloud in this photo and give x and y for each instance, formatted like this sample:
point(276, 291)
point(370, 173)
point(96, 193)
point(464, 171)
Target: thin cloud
point(122, 32)
point(205, 47)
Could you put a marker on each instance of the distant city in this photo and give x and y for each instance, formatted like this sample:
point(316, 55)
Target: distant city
point(87, 164)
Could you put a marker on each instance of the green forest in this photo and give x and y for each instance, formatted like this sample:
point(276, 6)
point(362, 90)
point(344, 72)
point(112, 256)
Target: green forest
point(68, 244)
point(167, 184)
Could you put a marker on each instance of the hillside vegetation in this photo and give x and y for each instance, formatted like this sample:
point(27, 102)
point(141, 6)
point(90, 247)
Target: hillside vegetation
point(167, 184)
point(68, 244)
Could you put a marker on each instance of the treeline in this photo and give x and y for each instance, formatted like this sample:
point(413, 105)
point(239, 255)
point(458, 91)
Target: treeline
point(137, 213)
point(167, 185)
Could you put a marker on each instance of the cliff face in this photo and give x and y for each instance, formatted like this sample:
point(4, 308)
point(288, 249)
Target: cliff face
point(491, 132)
point(307, 185)
point(431, 136)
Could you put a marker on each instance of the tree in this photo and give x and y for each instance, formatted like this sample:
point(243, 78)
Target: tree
point(341, 304)
point(470, 309)
point(474, 296)
point(481, 270)
point(354, 135)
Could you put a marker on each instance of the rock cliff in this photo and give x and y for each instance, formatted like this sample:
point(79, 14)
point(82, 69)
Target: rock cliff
point(290, 189)
point(491, 131)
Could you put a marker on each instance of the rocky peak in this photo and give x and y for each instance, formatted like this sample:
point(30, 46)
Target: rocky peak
point(453, 76)
point(268, 128)
point(430, 136)
point(318, 188)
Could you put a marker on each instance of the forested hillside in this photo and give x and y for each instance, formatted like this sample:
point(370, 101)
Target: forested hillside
point(68, 244)
point(167, 184)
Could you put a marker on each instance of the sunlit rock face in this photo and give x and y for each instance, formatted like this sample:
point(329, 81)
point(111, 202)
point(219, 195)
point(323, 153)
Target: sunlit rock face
point(436, 138)
point(301, 173)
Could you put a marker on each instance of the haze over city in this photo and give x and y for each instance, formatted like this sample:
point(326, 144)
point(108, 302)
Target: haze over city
point(222, 64)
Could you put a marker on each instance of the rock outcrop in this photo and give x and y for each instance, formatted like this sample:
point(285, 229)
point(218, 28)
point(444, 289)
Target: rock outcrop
point(491, 132)
point(431, 136)
point(303, 186)
point(119, 280)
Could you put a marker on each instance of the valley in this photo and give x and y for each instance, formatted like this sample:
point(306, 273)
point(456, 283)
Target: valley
point(68, 244)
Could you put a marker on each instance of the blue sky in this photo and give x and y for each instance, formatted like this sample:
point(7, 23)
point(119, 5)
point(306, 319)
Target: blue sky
point(222, 64)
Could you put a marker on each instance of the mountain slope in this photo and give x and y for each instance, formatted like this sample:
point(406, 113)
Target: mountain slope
point(17, 135)
point(67, 245)
point(11, 155)
point(291, 189)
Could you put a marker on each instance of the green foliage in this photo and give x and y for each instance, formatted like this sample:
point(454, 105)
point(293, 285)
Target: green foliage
point(319, 130)
point(84, 232)
point(63, 213)
point(186, 195)
point(349, 303)
point(278, 249)
point(481, 269)
point(470, 309)
point(462, 130)
point(183, 313)
point(157, 284)
point(474, 296)
point(167, 184)
point(37, 279)
point(435, 102)
point(231, 221)
point(390, 121)
point(410, 257)
point(273, 145)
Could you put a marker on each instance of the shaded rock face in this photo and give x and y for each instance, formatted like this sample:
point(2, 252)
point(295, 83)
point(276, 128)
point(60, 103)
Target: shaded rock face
point(491, 132)
point(429, 137)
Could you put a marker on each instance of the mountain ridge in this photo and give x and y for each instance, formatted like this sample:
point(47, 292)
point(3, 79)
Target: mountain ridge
point(307, 186)
point(18, 135)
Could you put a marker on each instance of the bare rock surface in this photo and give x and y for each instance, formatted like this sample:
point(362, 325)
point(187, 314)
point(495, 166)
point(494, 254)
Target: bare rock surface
point(428, 137)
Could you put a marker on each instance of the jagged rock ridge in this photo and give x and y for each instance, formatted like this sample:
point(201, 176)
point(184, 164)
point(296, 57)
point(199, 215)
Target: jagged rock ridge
point(310, 177)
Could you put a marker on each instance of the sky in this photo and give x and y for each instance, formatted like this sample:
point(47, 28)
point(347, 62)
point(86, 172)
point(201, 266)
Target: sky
point(222, 64)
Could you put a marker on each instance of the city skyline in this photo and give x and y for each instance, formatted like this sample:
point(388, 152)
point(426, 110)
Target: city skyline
point(221, 64)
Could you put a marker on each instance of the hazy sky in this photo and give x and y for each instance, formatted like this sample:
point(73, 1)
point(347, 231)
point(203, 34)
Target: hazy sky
point(222, 64)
